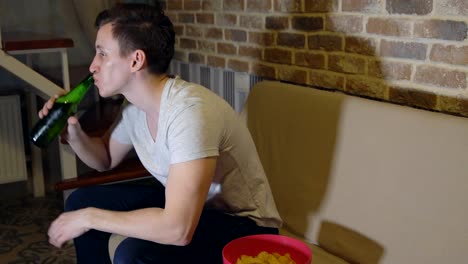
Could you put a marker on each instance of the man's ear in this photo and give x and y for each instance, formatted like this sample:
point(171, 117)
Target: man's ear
point(138, 60)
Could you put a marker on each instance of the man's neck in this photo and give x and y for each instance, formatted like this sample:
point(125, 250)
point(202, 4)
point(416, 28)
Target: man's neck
point(146, 92)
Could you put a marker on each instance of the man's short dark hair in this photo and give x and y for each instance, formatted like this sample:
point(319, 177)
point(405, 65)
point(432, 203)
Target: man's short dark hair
point(145, 27)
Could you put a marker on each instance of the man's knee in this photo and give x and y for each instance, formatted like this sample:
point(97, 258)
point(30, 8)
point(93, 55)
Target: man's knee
point(126, 252)
point(137, 251)
point(76, 200)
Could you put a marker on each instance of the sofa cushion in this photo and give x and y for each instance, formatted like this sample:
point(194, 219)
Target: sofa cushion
point(319, 255)
point(393, 174)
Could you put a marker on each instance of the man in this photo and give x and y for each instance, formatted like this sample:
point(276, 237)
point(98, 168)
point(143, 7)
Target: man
point(213, 188)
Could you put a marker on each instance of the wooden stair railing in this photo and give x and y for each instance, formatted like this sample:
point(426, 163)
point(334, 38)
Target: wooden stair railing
point(21, 41)
point(27, 43)
point(95, 122)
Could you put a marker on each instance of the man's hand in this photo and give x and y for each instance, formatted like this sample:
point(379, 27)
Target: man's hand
point(48, 105)
point(73, 129)
point(67, 227)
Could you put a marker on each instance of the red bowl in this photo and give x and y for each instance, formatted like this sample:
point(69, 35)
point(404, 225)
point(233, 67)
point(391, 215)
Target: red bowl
point(254, 244)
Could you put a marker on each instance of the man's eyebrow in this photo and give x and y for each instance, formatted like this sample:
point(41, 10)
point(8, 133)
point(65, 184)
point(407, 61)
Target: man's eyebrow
point(99, 47)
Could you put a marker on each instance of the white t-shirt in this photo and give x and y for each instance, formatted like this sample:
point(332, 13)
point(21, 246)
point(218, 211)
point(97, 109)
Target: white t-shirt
point(195, 123)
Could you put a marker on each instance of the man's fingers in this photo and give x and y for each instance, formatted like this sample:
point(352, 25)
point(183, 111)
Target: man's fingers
point(72, 120)
point(54, 234)
point(47, 106)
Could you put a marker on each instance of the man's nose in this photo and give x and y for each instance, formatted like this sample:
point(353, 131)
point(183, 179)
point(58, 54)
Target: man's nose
point(93, 67)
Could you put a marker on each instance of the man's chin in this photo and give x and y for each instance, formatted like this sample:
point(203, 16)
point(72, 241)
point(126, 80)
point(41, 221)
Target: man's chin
point(103, 94)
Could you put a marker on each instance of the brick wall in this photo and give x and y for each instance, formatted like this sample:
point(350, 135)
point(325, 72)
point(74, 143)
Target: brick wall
point(412, 52)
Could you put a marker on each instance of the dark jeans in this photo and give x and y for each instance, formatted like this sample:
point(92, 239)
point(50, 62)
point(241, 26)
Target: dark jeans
point(214, 230)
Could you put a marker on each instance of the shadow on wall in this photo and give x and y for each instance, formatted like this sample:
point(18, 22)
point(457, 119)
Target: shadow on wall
point(281, 118)
point(319, 53)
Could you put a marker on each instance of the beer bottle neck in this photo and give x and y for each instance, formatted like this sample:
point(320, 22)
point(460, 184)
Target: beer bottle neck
point(75, 95)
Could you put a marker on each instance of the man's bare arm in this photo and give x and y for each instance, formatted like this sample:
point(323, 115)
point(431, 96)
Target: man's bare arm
point(186, 192)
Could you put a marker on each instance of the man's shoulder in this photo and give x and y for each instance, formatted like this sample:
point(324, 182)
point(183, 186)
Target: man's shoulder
point(130, 111)
point(191, 92)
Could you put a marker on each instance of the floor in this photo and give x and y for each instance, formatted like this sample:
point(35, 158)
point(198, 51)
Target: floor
point(23, 231)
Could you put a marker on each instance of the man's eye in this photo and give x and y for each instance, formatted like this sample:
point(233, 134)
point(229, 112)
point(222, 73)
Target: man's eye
point(102, 54)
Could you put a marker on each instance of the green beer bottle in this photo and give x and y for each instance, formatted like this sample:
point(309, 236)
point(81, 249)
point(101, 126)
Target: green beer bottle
point(47, 128)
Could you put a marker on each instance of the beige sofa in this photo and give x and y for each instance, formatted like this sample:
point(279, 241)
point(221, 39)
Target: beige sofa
point(363, 181)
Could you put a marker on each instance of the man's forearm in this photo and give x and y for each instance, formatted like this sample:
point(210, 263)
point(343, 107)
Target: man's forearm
point(151, 224)
point(92, 151)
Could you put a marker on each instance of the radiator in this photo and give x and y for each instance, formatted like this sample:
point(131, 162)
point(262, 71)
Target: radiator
point(232, 86)
point(12, 154)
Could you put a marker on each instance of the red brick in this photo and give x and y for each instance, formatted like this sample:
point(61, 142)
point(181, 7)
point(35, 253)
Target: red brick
point(186, 43)
point(205, 18)
point(180, 56)
point(290, 6)
point(233, 5)
point(179, 30)
point(418, 7)
point(276, 22)
point(215, 33)
point(441, 29)
point(440, 77)
point(310, 60)
point(319, 6)
point(193, 31)
point(264, 70)
point(253, 21)
point(226, 48)
point(211, 5)
point(389, 70)
point(346, 64)
point(235, 35)
point(192, 4)
point(451, 7)
point(344, 23)
point(292, 74)
point(226, 20)
point(276, 55)
point(217, 62)
point(365, 6)
point(450, 54)
point(364, 46)
point(186, 18)
point(172, 16)
point(325, 42)
point(207, 46)
point(174, 4)
point(252, 52)
point(365, 87)
point(261, 38)
point(453, 105)
point(389, 26)
point(325, 79)
point(397, 49)
point(258, 6)
point(196, 58)
point(412, 97)
point(307, 23)
point(238, 66)
point(292, 40)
